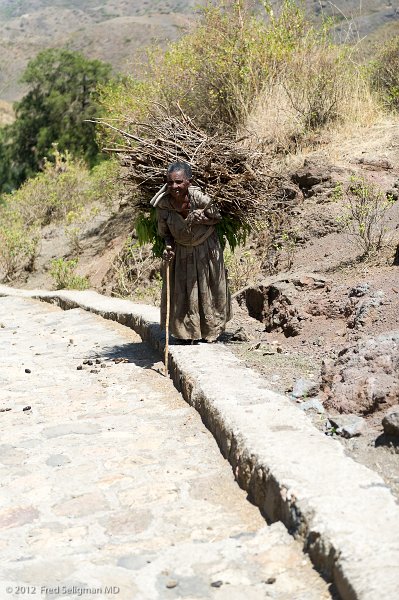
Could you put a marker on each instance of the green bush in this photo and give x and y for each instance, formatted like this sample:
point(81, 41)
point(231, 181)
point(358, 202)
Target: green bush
point(52, 194)
point(124, 100)
point(18, 245)
point(136, 273)
point(64, 276)
point(67, 193)
point(65, 186)
point(104, 184)
point(218, 69)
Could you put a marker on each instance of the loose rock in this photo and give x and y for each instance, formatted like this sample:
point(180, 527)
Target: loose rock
point(240, 335)
point(313, 404)
point(305, 387)
point(390, 422)
point(347, 425)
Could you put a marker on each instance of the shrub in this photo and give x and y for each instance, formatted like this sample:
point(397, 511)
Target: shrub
point(219, 68)
point(316, 83)
point(243, 267)
point(104, 186)
point(365, 214)
point(214, 72)
point(125, 99)
point(64, 187)
point(64, 276)
point(65, 192)
point(52, 194)
point(136, 272)
point(385, 73)
point(18, 245)
point(313, 84)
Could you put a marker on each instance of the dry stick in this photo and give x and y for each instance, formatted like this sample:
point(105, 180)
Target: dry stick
point(219, 164)
point(167, 317)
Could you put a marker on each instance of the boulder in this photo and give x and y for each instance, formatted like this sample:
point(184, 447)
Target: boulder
point(376, 162)
point(310, 176)
point(364, 378)
point(396, 257)
point(312, 404)
point(276, 301)
point(347, 426)
point(390, 422)
point(362, 306)
point(240, 335)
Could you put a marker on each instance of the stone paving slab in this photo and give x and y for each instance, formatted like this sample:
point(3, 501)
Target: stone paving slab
point(343, 512)
point(111, 486)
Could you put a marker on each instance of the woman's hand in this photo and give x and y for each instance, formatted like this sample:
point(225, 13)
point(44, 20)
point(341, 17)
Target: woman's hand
point(168, 254)
point(197, 216)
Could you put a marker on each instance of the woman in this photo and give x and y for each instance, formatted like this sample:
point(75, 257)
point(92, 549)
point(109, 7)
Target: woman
point(200, 300)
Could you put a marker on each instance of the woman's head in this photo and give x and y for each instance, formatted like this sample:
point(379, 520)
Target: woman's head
point(178, 179)
point(180, 166)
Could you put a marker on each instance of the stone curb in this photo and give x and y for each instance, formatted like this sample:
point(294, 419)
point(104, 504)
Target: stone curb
point(343, 512)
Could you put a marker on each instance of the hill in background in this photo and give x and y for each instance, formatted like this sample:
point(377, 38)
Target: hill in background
point(112, 31)
point(116, 31)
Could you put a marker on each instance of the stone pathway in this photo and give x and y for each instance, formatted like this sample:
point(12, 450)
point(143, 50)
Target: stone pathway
point(111, 487)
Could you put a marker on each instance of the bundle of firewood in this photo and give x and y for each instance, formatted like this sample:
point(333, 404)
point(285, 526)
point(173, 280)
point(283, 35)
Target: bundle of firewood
point(221, 166)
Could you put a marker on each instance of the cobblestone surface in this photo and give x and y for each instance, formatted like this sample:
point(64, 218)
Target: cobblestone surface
point(111, 487)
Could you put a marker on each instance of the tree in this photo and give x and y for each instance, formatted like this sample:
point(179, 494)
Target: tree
point(63, 95)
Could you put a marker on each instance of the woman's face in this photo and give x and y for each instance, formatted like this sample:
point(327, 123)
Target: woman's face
point(178, 185)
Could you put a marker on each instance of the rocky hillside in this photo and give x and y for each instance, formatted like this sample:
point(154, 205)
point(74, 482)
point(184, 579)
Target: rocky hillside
point(116, 31)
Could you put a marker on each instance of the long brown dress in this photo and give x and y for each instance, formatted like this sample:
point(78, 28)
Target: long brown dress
point(200, 303)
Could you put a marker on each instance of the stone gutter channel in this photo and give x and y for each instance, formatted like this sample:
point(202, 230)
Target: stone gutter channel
point(343, 512)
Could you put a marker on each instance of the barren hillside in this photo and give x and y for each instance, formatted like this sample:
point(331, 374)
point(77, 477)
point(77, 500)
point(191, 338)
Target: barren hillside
point(113, 31)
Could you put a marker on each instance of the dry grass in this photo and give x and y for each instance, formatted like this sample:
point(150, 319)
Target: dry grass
point(280, 119)
point(6, 113)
